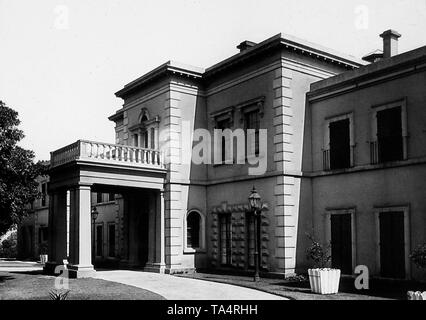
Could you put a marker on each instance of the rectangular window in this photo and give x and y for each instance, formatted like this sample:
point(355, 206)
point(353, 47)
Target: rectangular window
point(250, 239)
point(99, 197)
point(111, 196)
point(340, 149)
point(99, 240)
point(225, 239)
point(111, 240)
point(252, 121)
point(43, 194)
point(222, 125)
point(341, 242)
point(152, 134)
point(389, 135)
point(135, 140)
point(145, 139)
point(392, 245)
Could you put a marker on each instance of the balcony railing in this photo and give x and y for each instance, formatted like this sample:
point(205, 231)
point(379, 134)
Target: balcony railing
point(341, 158)
point(107, 153)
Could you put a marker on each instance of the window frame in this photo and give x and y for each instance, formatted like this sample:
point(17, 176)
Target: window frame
point(226, 114)
point(99, 196)
point(256, 142)
point(374, 152)
point(407, 242)
point(225, 141)
point(336, 211)
point(228, 217)
point(257, 104)
point(202, 233)
point(326, 150)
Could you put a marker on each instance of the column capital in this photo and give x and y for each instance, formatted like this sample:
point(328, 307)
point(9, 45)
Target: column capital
point(80, 186)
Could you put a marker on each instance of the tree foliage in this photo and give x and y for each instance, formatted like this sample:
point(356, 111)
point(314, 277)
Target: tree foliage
point(9, 246)
point(18, 171)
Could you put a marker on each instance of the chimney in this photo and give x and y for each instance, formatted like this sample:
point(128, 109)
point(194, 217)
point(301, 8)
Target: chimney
point(390, 43)
point(245, 45)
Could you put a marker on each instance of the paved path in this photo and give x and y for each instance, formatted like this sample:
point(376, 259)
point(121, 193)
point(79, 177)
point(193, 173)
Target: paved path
point(176, 288)
point(16, 266)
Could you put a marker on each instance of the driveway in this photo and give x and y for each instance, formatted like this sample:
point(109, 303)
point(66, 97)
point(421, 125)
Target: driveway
point(177, 288)
point(16, 266)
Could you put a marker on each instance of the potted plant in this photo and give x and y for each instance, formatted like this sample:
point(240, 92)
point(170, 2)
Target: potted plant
point(43, 253)
point(322, 278)
point(418, 256)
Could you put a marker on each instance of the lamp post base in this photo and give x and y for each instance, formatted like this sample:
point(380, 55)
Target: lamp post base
point(256, 278)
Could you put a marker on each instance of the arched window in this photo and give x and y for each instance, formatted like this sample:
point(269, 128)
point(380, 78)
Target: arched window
point(193, 230)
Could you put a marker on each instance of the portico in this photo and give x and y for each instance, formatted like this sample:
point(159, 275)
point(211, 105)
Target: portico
point(138, 174)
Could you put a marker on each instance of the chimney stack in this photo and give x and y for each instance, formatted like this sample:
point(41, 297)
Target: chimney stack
point(390, 43)
point(245, 45)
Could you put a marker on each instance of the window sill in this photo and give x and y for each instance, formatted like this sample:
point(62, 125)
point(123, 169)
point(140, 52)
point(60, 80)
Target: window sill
point(193, 251)
point(366, 167)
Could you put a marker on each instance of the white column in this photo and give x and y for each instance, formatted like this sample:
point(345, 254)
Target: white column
point(80, 233)
point(160, 232)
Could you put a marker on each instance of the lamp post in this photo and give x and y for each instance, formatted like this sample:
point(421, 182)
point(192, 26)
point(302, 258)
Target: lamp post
point(94, 214)
point(256, 207)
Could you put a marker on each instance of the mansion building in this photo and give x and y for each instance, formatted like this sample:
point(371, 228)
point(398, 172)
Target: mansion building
point(342, 158)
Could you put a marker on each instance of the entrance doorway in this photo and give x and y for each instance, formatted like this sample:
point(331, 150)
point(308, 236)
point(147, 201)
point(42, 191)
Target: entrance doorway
point(392, 245)
point(341, 242)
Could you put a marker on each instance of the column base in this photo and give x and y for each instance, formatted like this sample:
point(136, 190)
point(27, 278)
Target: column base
point(155, 267)
point(76, 271)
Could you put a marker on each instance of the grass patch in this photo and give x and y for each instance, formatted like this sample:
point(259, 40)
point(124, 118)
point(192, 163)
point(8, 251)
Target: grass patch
point(36, 286)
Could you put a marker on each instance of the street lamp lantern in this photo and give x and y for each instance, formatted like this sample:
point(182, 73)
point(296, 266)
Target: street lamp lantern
point(254, 200)
point(94, 213)
point(255, 203)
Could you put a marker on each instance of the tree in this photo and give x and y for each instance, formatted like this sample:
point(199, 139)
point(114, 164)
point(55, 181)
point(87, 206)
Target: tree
point(18, 171)
point(9, 246)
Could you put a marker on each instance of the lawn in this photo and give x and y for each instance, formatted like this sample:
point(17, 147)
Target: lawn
point(300, 290)
point(36, 286)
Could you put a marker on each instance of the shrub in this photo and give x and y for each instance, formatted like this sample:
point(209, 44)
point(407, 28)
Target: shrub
point(320, 255)
point(418, 256)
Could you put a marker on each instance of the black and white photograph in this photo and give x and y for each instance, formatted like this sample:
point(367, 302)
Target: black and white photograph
point(212, 158)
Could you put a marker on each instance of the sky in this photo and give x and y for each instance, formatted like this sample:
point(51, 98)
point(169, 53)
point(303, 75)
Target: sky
point(62, 61)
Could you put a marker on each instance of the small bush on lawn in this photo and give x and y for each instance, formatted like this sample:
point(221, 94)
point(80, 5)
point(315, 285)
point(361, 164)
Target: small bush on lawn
point(59, 294)
point(320, 255)
point(418, 256)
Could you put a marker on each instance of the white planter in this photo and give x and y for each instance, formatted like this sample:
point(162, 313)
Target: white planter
point(324, 281)
point(43, 258)
point(416, 295)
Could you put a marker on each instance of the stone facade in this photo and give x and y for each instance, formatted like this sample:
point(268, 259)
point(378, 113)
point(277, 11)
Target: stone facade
point(291, 88)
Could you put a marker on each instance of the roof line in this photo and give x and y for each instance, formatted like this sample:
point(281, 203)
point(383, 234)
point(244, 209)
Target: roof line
point(279, 39)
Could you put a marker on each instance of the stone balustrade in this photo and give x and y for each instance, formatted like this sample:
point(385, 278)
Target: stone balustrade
point(107, 153)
